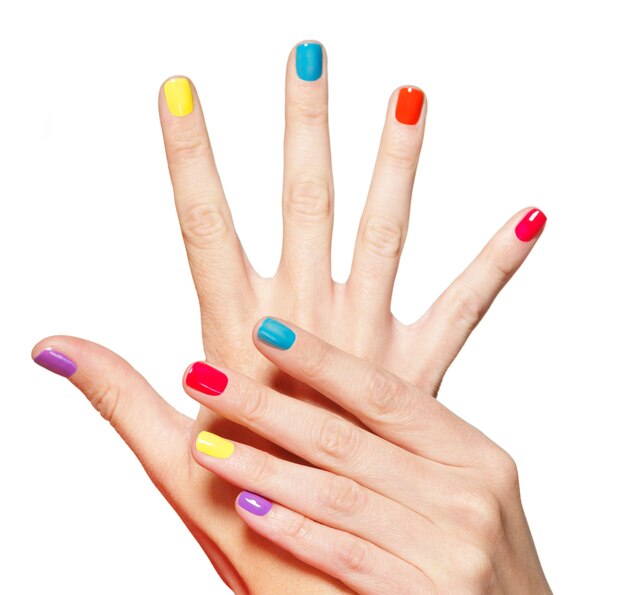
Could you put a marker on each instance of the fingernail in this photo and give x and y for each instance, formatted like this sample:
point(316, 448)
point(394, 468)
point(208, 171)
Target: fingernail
point(276, 334)
point(214, 445)
point(309, 61)
point(56, 362)
point(206, 379)
point(178, 96)
point(254, 503)
point(409, 105)
point(530, 225)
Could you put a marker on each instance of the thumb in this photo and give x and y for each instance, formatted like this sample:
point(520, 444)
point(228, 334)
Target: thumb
point(123, 397)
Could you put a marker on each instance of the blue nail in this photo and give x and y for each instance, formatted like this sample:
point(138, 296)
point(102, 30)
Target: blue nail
point(276, 334)
point(309, 61)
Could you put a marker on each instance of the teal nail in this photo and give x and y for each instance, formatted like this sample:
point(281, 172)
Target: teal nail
point(309, 61)
point(276, 334)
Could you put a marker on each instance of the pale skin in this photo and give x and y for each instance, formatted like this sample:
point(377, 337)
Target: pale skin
point(356, 319)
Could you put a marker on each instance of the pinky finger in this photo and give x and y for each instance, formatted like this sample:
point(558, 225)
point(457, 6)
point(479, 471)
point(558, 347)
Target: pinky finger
point(357, 563)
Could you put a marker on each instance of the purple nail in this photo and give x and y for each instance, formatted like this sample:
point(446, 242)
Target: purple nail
point(254, 503)
point(56, 362)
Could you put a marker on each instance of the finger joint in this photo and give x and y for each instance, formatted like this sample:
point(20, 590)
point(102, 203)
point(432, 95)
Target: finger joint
point(308, 199)
point(383, 236)
point(203, 224)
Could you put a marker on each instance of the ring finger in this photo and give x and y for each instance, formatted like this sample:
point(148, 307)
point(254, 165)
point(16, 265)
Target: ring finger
point(384, 222)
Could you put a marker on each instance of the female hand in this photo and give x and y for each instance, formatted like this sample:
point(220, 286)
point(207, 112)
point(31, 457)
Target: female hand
point(355, 316)
point(418, 501)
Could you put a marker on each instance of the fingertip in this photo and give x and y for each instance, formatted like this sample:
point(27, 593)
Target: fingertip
point(531, 225)
point(186, 374)
point(249, 502)
point(177, 93)
point(55, 355)
point(271, 331)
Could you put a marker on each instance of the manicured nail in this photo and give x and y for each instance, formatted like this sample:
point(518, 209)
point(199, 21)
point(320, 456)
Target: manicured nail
point(214, 445)
point(530, 225)
point(206, 379)
point(276, 334)
point(309, 61)
point(409, 105)
point(254, 503)
point(56, 362)
point(178, 96)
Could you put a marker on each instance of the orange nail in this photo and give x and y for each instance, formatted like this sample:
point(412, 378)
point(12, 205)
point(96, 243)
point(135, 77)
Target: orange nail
point(409, 106)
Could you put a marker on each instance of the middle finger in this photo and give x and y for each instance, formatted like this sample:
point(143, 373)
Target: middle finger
point(308, 191)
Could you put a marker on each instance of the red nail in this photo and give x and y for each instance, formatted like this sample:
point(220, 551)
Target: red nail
point(409, 105)
point(530, 225)
point(206, 379)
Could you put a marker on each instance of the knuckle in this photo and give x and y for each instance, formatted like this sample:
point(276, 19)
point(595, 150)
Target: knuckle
point(316, 360)
point(383, 236)
point(308, 111)
point(480, 511)
point(254, 403)
point(505, 472)
point(498, 264)
point(261, 470)
point(386, 395)
point(296, 526)
point(185, 149)
point(203, 224)
point(342, 495)
point(402, 153)
point(309, 198)
point(467, 306)
point(337, 439)
point(350, 552)
point(105, 398)
point(477, 567)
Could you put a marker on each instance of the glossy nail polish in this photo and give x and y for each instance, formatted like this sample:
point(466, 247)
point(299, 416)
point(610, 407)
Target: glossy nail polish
point(178, 96)
point(309, 61)
point(206, 379)
point(276, 334)
point(254, 503)
point(409, 105)
point(56, 362)
point(530, 225)
point(214, 445)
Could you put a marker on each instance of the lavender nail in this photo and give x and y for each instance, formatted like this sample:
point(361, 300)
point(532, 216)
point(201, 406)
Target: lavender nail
point(56, 362)
point(254, 503)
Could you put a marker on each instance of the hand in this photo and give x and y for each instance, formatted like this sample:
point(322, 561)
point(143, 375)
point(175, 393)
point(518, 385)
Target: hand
point(422, 503)
point(354, 316)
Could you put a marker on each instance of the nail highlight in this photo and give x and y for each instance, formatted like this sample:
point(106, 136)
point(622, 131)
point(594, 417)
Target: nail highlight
point(409, 105)
point(206, 379)
point(178, 96)
point(309, 61)
point(254, 503)
point(214, 445)
point(276, 334)
point(56, 362)
point(530, 225)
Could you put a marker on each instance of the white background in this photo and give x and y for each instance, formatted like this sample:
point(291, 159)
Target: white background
point(527, 105)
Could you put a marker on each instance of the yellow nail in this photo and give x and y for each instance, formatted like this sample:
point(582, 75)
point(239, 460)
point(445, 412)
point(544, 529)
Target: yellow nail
point(178, 96)
point(214, 445)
